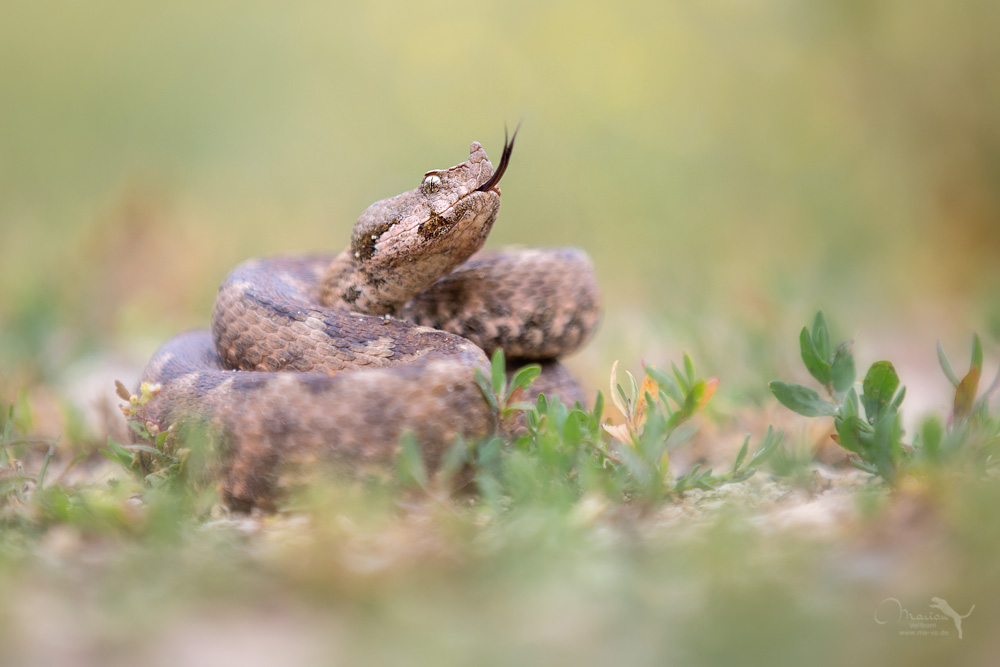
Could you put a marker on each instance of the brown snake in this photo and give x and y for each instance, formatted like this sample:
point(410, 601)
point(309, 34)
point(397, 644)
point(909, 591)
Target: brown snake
point(332, 358)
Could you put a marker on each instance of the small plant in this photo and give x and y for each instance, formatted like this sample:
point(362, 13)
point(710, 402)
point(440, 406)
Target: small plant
point(655, 413)
point(966, 407)
point(15, 483)
point(562, 453)
point(681, 396)
point(504, 397)
point(869, 425)
point(151, 463)
point(136, 410)
point(971, 435)
point(742, 468)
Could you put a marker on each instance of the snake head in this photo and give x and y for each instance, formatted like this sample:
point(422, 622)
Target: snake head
point(401, 245)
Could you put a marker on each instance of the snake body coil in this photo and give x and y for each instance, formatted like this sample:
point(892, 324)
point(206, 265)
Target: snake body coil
point(332, 358)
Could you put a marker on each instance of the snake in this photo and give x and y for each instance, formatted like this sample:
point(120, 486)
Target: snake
point(331, 358)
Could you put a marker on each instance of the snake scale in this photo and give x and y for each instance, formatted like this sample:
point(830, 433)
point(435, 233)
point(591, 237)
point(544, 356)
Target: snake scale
point(332, 358)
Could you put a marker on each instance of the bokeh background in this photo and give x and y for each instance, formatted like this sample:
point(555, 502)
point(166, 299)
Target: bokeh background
point(731, 166)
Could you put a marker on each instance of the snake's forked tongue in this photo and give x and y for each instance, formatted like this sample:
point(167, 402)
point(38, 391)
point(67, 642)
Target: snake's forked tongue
point(508, 148)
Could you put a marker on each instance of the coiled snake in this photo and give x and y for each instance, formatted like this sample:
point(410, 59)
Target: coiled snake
point(332, 358)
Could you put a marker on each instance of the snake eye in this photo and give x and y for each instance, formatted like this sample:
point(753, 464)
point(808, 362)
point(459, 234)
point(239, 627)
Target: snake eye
point(431, 183)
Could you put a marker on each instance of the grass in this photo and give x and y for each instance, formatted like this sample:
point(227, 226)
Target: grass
point(581, 543)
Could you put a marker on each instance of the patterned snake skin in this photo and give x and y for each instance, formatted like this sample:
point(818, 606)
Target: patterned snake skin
point(332, 358)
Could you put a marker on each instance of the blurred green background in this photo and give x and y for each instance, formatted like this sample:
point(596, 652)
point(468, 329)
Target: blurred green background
point(731, 166)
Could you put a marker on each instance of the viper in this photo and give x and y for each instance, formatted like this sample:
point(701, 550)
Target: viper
point(330, 359)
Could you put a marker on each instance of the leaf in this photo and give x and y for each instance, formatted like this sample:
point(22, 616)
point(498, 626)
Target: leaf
point(119, 455)
point(619, 432)
point(977, 353)
point(489, 488)
point(409, 461)
point(146, 449)
point(667, 383)
point(862, 466)
point(665, 402)
point(696, 478)
point(931, 434)
point(644, 400)
point(525, 376)
point(849, 432)
point(681, 380)
point(558, 413)
point(624, 399)
point(965, 394)
point(946, 365)
point(24, 420)
point(111, 456)
point(821, 336)
point(488, 453)
point(898, 401)
point(40, 482)
point(767, 448)
point(453, 460)
point(842, 372)
point(818, 367)
point(742, 455)
point(653, 439)
point(513, 397)
point(710, 386)
point(802, 400)
point(598, 411)
point(684, 481)
point(571, 432)
point(664, 464)
point(118, 449)
point(161, 440)
point(851, 404)
point(498, 372)
point(689, 369)
point(487, 389)
point(878, 389)
point(887, 445)
point(617, 395)
point(679, 434)
point(693, 400)
point(698, 397)
point(633, 385)
point(121, 391)
point(646, 480)
point(8, 425)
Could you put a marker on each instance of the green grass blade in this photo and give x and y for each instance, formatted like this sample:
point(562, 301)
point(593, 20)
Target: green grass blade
point(487, 388)
point(977, 353)
point(498, 372)
point(946, 365)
